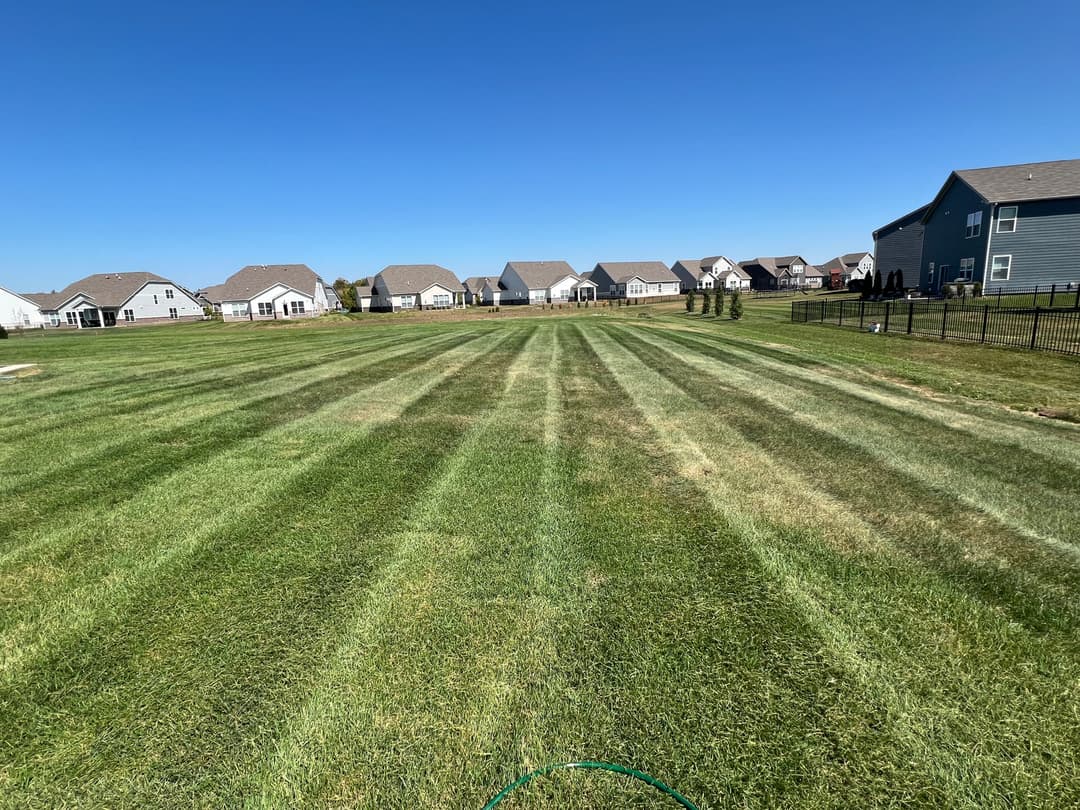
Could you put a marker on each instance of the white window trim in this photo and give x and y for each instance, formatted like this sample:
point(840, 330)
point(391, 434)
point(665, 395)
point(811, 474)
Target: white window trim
point(1014, 219)
point(966, 273)
point(174, 313)
point(1008, 266)
point(265, 308)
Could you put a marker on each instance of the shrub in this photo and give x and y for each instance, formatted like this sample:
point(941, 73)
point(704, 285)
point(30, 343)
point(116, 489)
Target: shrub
point(586, 303)
point(735, 310)
point(3, 333)
point(690, 301)
point(976, 289)
point(900, 281)
point(890, 284)
point(718, 301)
point(877, 284)
point(705, 304)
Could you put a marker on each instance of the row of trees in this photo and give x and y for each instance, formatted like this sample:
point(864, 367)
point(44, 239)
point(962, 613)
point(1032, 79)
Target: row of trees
point(714, 304)
point(873, 288)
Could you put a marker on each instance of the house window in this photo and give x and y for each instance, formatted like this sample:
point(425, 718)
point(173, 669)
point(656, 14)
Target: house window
point(168, 292)
point(407, 301)
point(155, 299)
point(297, 307)
point(967, 269)
point(173, 313)
point(54, 318)
point(72, 318)
point(239, 310)
point(441, 301)
point(636, 288)
point(944, 270)
point(1000, 267)
point(129, 315)
point(974, 225)
point(266, 308)
point(1007, 219)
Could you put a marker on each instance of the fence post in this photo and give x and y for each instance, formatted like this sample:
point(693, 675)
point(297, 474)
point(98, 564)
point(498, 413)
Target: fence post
point(1077, 304)
point(823, 311)
point(887, 316)
point(944, 318)
point(986, 315)
point(840, 322)
point(1035, 327)
point(862, 310)
point(910, 315)
point(999, 296)
point(1053, 291)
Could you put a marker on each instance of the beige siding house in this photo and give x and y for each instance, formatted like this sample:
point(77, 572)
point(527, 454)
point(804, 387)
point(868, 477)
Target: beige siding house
point(416, 286)
point(635, 280)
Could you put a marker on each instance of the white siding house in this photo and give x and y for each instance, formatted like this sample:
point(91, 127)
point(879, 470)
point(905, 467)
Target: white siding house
point(264, 292)
point(546, 282)
point(18, 312)
point(118, 299)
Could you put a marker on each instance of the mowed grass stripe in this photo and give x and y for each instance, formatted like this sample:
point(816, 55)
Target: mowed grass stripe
point(448, 613)
point(118, 433)
point(841, 594)
point(227, 377)
point(72, 576)
point(933, 525)
point(101, 483)
point(176, 692)
point(1045, 442)
point(988, 537)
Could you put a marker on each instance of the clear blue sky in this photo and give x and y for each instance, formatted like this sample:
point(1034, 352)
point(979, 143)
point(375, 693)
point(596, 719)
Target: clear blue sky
point(191, 138)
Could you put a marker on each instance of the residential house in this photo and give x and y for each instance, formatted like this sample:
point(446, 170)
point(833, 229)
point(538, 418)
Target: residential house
point(782, 272)
point(19, 312)
point(210, 296)
point(264, 292)
point(416, 286)
point(118, 299)
point(899, 246)
point(635, 280)
point(548, 282)
point(727, 273)
point(692, 276)
point(474, 288)
point(847, 268)
point(1005, 227)
point(333, 300)
point(363, 295)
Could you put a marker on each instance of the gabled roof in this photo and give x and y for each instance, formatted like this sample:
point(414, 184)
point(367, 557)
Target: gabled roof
point(541, 275)
point(774, 265)
point(30, 298)
point(476, 283)
point(400, 279)
point(842, 263)
point(622, 272)
point(248, 282)
point(105, 289)
point(1020, 182)
point(710, 261)
point(734, 271)
point(211, 294)
point(687, 270)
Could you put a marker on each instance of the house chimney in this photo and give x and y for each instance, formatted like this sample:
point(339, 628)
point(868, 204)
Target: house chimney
point(1029, 175)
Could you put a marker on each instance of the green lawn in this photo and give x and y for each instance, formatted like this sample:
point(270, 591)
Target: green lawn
point(387, 562)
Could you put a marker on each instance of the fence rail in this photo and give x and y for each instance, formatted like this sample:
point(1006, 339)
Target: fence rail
point(1039, 295)
point(1055, 330)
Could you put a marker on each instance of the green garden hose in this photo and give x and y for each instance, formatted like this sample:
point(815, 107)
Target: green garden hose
point(597, 766)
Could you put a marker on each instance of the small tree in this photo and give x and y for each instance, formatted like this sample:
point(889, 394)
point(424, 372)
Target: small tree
point(866, 286)
point(3, 333)
point(877, 284)
point(735, 310)
point(718, 301)
point(690, 301)
point(346, 292)
point(900, 281)
point(890, 283)
point(976, 289)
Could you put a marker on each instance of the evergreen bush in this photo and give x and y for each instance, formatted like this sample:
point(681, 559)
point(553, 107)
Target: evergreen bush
point(735, 310)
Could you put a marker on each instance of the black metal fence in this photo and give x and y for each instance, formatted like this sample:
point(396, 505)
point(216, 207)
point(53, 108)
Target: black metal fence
point(1039, 295)
point(1055, 330)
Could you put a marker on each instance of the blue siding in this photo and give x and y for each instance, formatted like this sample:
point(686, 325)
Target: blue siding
point(944, 240)
point(1045, 247)
point(898, 246)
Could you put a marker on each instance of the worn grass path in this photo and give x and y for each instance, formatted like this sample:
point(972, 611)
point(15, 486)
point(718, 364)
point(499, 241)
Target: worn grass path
point(399, 565)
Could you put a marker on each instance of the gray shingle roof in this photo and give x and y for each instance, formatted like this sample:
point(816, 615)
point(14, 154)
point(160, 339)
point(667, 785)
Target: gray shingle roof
point(841, 263)
point(396, 279)
point(211, 294)
point(774, 265)
point(106, 289)
point(1025, 181)
point(646, 271)
point(541, 275)
point(476, 283)
point(246, 283)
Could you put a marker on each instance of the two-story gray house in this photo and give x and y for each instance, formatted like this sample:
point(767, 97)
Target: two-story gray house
point(1005, 227)
point(899, 245)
